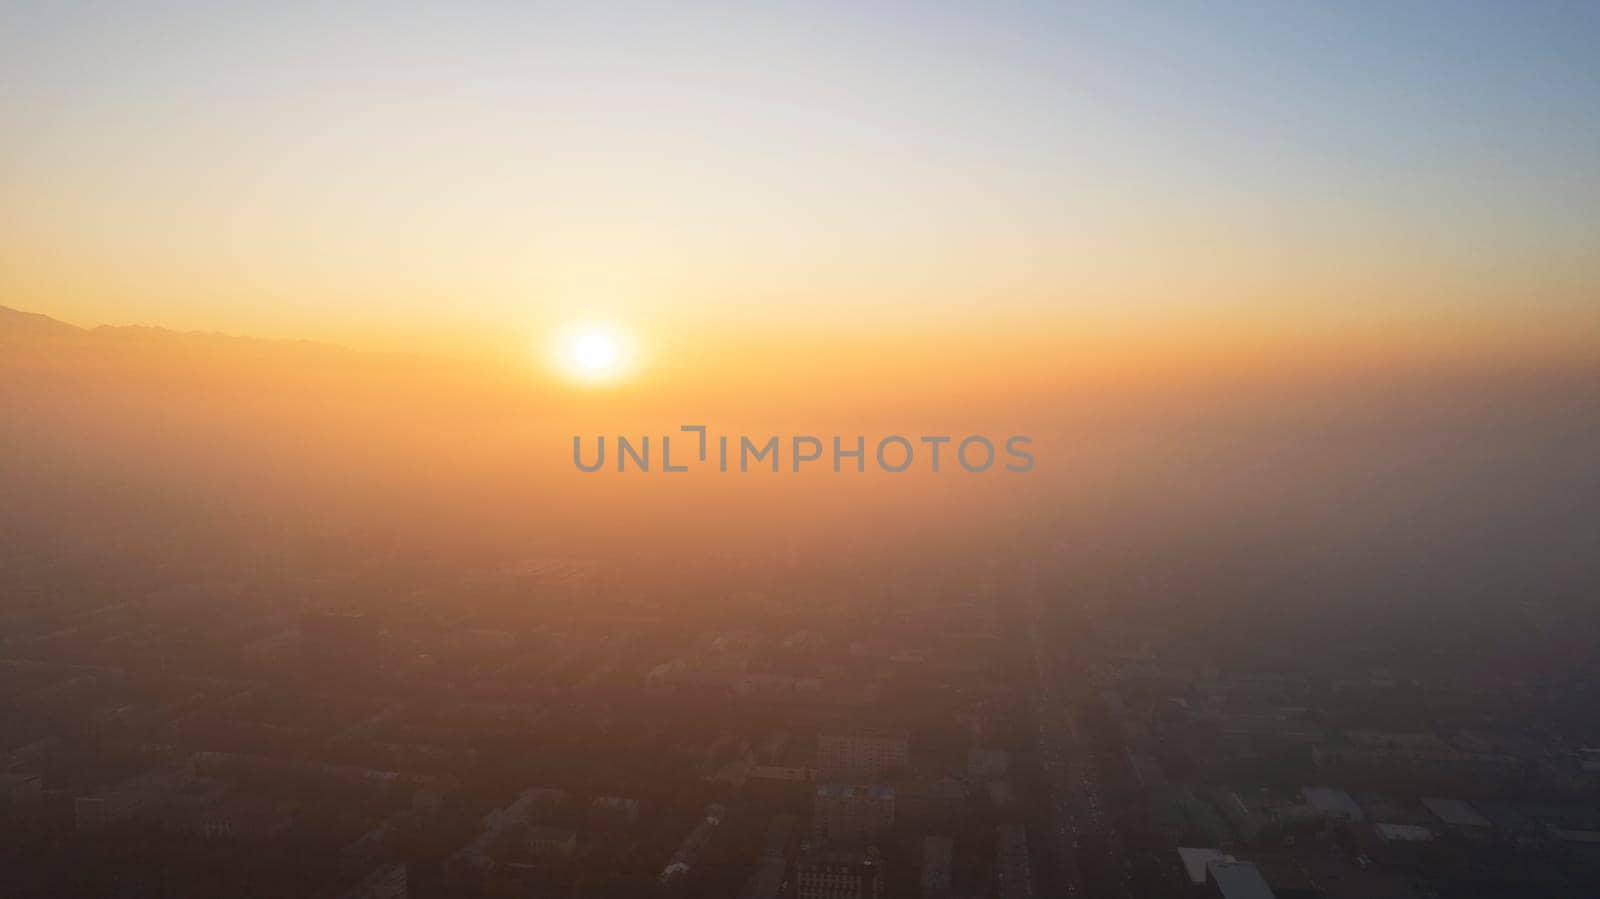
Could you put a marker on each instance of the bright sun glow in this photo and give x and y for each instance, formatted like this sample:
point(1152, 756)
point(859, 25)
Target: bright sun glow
point(594, 353)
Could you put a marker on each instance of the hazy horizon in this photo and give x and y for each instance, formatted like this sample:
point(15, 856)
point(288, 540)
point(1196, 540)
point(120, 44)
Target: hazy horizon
point(1424, 466)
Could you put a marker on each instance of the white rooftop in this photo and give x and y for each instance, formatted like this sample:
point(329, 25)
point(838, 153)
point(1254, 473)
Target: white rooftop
point(1195, 861)
point(1239, 880)
point(1456, 811)
point(1333, 802)
point(1406, 833)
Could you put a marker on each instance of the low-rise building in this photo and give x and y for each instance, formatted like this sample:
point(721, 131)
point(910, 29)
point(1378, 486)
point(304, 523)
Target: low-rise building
point(852, 813)
point(836, 872)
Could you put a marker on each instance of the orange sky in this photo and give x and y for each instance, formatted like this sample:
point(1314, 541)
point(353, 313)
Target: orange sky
point(929, 195)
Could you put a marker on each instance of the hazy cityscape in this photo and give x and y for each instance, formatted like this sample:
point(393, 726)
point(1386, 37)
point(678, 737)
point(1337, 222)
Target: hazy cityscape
point(324, 717)
point(231, 692)
point(799, 450)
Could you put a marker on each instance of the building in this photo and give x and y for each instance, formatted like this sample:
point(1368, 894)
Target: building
point(1237, 880)
point(386, 881)
point(767, 881)
point(1197, 862)
point(839, 873)
point(780, 835)
point(1455, 812)
point(615, 810)
point(552, 842)
point(988, 764)
point(251, 817)
point(688, 852)
point(936, 860)
point(1334, 803)
point(933, 805)
point(1011, 859)
point(851, 813)
point(1403, 833)
point(21, 789)
point(130, 799)
point(92, 813)
point(477, 858)
point(860, 755)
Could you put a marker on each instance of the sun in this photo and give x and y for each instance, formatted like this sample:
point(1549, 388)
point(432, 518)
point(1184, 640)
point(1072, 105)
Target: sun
point(594, 353)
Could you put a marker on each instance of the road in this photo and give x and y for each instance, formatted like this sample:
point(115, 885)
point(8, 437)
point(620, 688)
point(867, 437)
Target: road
point(1083, 833)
